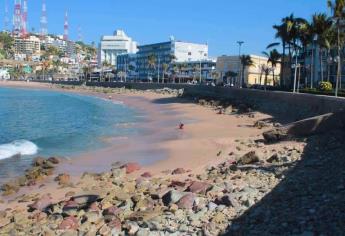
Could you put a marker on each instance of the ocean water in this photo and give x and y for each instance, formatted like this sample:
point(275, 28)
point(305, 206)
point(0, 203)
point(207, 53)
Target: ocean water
point(46, 123)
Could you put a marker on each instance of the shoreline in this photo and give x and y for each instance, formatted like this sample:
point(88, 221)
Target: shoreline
point(206, 133)
point(217, 168)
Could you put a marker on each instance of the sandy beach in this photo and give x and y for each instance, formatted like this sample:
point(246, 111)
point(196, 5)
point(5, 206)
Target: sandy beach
point(207, 154)
point(162, 144)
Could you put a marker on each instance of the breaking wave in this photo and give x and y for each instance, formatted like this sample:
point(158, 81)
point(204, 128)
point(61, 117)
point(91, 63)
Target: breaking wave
point(18, 147)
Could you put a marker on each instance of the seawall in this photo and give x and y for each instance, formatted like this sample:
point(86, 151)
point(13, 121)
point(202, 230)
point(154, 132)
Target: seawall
point(282, 105)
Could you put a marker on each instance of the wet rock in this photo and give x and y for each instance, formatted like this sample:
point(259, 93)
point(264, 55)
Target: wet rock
point(38, 161)
point(273, 159)
point(54, 160)
point(228, 110)
point(131, 167)
point(69, 223)
point(249, 158)
point(9, 188)
point(179, 171)
point(42, 203)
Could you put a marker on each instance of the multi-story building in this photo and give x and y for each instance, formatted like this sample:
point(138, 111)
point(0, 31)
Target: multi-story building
point(126, 65)
point(27, 46)
point(152, 58)
point(194, 70)
point(112, 46)
point(67, 47)
point(254, 74)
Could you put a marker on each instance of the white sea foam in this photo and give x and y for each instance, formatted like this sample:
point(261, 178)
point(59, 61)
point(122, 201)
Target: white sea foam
point(18, 147)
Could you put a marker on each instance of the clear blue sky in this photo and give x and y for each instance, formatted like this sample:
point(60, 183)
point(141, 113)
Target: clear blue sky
point(219, 22)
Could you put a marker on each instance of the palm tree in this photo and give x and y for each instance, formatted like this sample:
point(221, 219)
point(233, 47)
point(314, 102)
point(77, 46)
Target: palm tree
point(165, 67)
point(151, 60)
point(338, 10)
point(305, 34)
point(246, 61)
point(6, 44)
point(321, 24)
point(274, 58)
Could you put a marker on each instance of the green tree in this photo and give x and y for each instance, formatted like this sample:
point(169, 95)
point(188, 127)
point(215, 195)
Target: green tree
point(246, 61)
point(321, 25)
point(274, 58)
point(338, 14)
point(151, 61)
point(6, 44)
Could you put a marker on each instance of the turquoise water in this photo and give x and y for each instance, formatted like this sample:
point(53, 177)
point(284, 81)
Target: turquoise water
point(45, 123)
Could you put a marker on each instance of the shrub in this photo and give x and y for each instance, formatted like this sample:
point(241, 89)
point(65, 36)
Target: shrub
point(325, 86)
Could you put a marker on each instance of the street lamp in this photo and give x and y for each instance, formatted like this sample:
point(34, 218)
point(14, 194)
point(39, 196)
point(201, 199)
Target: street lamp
point(239, 62)
point(201, 53)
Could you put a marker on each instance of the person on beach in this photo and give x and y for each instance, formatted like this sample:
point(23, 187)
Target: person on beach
point(110, 97)
point(181, 126)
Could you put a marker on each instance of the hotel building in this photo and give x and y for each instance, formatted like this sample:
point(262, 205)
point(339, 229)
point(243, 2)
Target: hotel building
point(112, 46)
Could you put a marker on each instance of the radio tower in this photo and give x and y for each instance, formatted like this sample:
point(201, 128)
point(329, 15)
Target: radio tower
point(65, 27)
point(44, 21)
point(25, 18)
point(7, 20)
point(17, 18)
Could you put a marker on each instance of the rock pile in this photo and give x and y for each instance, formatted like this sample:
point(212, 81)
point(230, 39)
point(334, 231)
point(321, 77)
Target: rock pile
point(41, 169)
point(118, 204)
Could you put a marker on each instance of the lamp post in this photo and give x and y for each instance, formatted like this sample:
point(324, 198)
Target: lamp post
point(239, 62)
point(201, 53)
point(296, 67)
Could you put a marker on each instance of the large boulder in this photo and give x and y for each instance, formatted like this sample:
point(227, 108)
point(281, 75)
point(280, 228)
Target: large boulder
point(172, 196)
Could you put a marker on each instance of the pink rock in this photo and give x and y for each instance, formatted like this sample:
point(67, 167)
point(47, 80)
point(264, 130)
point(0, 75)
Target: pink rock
point(131, 167)
point(42, 203)
point(198, 187)
point(146, 175)
point(69, 223)
point(179, 171)
point(186, 202)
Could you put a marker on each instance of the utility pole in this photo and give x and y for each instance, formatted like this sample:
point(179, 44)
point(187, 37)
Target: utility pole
point(239, 62)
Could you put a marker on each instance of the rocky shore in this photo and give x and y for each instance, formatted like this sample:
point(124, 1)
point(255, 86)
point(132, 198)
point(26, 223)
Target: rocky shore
point(276, 183)
point(180, 203)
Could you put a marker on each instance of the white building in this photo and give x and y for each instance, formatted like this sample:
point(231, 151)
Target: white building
point(28, 46)
point(168, 52)
point(112, 46)
point(4, 74)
